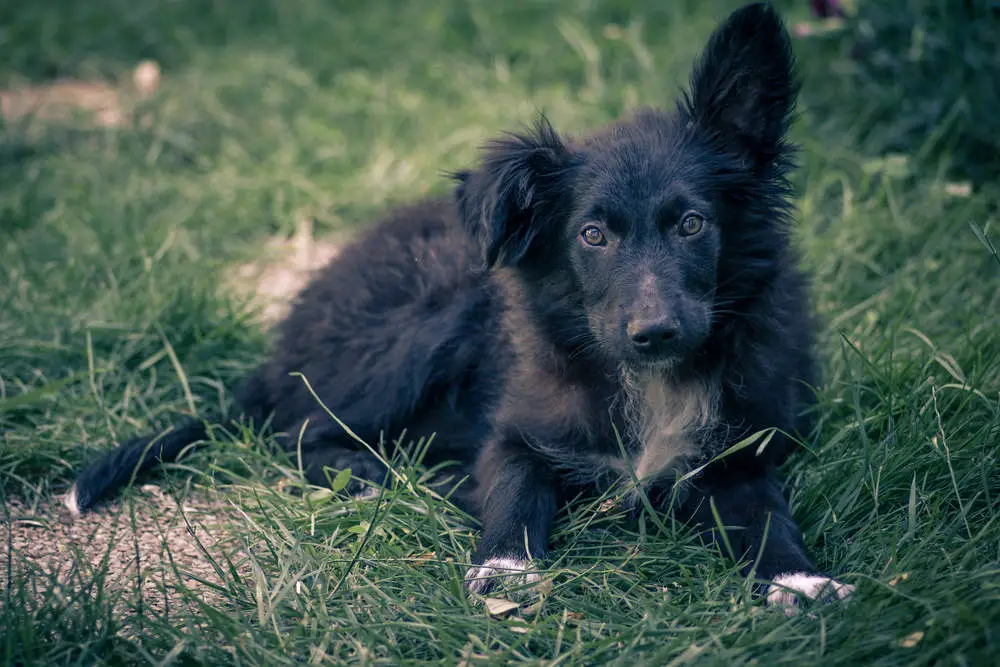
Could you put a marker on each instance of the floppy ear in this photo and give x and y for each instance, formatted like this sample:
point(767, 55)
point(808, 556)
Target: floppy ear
point(508, 203)
point(743, 87)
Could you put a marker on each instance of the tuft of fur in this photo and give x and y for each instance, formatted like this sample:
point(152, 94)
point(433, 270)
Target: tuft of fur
point(666, 417)
point(71, 502)
point(579, 309)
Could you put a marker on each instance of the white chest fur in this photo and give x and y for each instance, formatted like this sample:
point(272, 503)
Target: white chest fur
point(664, 417)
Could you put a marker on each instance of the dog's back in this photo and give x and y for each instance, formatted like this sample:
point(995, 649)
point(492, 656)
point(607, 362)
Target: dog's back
point(394, 319)
point(398, 334)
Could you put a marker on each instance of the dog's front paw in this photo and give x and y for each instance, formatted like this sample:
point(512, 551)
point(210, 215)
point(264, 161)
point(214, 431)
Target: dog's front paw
point(786, 590)
point(512, 574)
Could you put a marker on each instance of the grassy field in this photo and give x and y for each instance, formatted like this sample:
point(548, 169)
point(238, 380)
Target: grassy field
point(114, 241)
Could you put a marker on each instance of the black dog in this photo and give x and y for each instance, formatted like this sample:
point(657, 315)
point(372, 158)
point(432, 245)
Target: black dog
point(580, 315)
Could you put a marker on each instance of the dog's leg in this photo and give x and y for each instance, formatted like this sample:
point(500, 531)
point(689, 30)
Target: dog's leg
point(324, 444)
point(517, 510)
point(364, 468)
point(759, 526)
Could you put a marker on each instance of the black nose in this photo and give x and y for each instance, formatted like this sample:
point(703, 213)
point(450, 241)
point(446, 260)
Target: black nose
point(651, 336)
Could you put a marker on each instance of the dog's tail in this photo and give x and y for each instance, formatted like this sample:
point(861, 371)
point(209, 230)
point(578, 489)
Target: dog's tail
point(119, 466)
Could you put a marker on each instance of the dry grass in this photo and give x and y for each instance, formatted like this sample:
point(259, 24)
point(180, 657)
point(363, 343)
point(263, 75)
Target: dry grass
point(100, 102)
point(284, 268)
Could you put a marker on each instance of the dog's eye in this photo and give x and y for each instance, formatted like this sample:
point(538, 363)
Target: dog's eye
point(691, 224)
point(592, 235)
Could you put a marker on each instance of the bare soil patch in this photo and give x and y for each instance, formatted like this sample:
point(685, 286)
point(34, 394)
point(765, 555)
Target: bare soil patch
point(100, 102)
point(170, 544)
point(284, 268)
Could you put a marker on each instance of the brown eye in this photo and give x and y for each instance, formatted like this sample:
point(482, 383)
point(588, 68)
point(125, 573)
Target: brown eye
point(692, 224)
point(592, 235)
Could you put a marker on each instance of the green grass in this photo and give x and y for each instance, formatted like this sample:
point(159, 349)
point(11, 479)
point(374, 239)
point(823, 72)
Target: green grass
point(112, 244)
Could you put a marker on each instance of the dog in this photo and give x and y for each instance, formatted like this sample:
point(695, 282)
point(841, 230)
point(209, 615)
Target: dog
point(620, 312)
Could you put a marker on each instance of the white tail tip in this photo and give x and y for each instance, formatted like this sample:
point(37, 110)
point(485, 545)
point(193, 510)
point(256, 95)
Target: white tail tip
point(70, 501)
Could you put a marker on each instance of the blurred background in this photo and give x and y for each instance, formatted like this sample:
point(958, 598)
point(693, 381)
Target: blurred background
point(339, 106)
point(142, 136)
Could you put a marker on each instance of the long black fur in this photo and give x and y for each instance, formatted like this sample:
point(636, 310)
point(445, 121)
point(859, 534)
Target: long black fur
point(538, 350)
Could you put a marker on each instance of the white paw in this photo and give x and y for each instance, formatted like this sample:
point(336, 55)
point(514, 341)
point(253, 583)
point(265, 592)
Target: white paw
point(70, 501)
point(787, 588)
point(507, 572)
point(367, 493)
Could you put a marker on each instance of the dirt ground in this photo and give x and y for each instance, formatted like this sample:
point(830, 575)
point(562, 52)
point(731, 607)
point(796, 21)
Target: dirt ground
point(286, 265)
point(171, 544)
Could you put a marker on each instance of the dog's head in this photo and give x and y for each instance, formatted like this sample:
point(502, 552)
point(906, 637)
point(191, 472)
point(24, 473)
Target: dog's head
point(660, 226)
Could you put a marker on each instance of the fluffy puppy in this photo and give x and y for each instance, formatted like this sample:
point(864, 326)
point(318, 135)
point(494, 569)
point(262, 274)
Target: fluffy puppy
point(609, 313)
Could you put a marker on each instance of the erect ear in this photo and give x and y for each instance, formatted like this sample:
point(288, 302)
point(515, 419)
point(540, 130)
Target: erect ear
point(743, 87)
point(509, 202)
